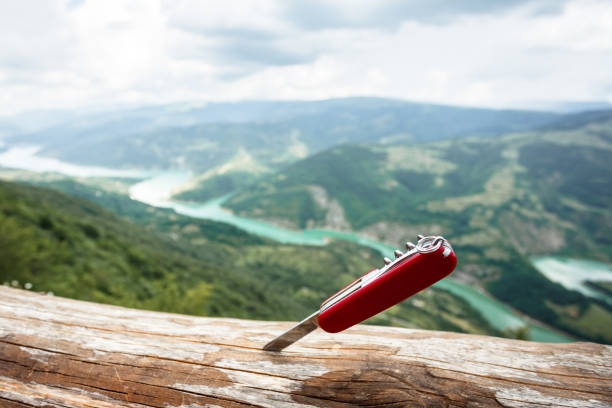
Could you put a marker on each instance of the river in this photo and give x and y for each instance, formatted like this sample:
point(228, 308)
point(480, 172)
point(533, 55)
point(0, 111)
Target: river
point(157, 189)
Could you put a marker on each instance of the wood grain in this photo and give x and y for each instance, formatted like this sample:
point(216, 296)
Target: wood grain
point(57, 352)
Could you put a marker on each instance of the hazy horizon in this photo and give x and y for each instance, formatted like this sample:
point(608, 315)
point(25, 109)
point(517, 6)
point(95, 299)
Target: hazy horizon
point(559, 107)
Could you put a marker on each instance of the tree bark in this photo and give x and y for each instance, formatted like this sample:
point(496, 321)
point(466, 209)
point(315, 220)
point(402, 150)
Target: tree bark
point(57, 352)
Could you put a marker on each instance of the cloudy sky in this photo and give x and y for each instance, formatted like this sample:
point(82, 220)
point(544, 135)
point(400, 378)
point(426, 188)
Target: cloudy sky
point(81, 53)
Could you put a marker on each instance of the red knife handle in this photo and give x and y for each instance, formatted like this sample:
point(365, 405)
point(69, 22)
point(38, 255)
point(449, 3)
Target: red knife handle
point(401, 281)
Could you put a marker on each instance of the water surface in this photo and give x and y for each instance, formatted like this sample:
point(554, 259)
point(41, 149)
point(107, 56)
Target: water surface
point(574, 273)
point(25, 158)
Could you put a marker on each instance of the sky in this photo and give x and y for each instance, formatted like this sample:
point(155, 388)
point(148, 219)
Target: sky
point(490, 53)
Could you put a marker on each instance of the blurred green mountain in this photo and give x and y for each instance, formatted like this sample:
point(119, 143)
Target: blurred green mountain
point(499, 201)
point(269, 135)
point(72, 247)
point(502, 185)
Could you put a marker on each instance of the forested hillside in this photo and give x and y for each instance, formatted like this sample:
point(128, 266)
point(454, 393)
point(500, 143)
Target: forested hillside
point(72, 247)
point(499, 200)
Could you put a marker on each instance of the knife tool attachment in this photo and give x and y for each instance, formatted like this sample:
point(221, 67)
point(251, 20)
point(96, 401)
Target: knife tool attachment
point(424, 264)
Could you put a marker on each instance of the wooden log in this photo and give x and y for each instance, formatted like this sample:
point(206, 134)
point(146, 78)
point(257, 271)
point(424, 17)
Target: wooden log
point(58, 352)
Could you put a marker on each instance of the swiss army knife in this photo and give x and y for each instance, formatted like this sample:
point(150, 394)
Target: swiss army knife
point(424, 264)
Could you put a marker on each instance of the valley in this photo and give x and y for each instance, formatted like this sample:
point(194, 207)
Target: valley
point(502, 320)
point(155, 259)
point(503, 186)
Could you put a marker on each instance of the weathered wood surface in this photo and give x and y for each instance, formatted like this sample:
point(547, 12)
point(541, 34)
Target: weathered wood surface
point(57, 352)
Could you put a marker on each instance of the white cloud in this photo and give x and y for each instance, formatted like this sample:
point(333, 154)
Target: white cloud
point(200, 16)
point(584, 26)
point(65, 54)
